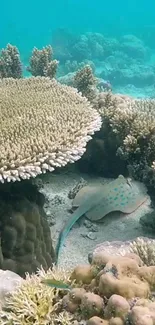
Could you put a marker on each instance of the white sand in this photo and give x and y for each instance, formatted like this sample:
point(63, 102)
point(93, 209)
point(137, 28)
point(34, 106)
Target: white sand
point(114, 227)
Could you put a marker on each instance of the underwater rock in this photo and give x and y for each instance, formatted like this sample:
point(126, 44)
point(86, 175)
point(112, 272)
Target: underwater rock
point(117, 248)
point(9, 281)
point(72, 193)
point(148, 222)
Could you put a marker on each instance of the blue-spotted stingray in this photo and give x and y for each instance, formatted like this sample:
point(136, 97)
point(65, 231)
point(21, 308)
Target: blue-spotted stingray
point(122, 194)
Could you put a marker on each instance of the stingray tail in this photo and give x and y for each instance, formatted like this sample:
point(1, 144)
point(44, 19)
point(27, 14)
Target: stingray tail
point(63, 234)
point(58, 248)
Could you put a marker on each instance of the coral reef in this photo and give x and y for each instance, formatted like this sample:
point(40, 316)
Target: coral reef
point(43, 125)
point(127, 135)
point(10, 63)
point(72, 66)
point(122, 61)
point(133, 46)
point(25, 235)
point(35, 303)
point(85, 82)
point(112, 290)
point(101, 156)
point(42, 63)
point(145, 250)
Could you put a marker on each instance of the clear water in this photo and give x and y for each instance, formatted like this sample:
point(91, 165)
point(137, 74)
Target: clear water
point(33, 23)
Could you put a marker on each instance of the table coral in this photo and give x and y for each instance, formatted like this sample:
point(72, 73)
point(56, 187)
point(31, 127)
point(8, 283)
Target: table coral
point(43, 125)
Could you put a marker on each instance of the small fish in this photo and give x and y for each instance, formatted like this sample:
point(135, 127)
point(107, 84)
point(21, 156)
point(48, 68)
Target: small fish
point(58, 284)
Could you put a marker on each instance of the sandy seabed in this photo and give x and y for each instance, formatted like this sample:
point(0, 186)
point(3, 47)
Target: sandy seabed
point(85, 235)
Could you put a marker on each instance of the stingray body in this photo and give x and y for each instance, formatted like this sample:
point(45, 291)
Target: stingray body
point(97, 201)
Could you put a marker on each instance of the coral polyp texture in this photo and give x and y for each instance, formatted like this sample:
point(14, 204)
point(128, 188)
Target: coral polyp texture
point(42, 63)
point(43, 125)
point(112, 290)
point(26, 242)
point(85, 82)
point(10, 62)
point(129, 124)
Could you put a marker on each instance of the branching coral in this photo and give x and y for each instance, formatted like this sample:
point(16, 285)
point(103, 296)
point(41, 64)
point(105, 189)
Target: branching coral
point(118, 292)
point(10, 63)
point(85, 82)
point(132, 122)
point(43, 125)
point(35, 303)
point(145, 250)
point(42, 63)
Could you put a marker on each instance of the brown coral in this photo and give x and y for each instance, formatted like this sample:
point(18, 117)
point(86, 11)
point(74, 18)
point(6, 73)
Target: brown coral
point(10, 63)
point(25, 235)
point(117, 306)
point(43, 125)
point(42, 63)
point(85, 82)
point(37, 303)
point(130, 123)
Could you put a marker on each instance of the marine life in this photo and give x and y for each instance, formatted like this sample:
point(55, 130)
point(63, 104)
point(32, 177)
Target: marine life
point(95, 202)
point(59, 284)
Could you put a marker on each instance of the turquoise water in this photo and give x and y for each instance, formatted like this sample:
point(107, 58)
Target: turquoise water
point(39, 23)
point(31, 23)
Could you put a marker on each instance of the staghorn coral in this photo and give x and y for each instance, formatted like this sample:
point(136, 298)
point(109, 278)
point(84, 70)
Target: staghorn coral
point(42, 63)
point(35, 303)
point(10, 63)
point(25, 235)
point(43, 125)
point(85, 82)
